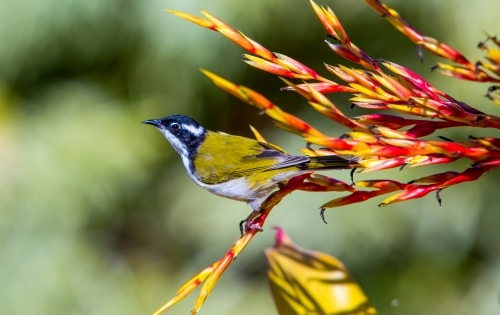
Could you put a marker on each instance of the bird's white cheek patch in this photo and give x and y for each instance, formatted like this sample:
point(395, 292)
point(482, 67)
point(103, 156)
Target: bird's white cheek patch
point(178, 146)
point(181, 149)
point(197, 131)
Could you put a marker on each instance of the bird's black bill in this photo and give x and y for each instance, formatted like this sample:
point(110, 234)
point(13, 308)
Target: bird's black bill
point(154, 122)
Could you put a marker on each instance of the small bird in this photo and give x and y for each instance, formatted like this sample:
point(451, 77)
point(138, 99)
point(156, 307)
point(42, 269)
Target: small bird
point(236, 167)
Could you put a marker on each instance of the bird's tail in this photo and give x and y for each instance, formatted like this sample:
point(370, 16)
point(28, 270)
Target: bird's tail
point(332, 162)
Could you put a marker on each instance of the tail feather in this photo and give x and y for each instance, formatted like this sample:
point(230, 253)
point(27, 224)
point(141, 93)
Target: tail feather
point(332, 162)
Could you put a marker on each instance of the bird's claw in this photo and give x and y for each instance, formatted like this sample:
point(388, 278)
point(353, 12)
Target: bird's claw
point(255, 227)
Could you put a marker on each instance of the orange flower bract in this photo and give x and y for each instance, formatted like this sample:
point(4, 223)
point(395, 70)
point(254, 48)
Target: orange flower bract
point(380, 141)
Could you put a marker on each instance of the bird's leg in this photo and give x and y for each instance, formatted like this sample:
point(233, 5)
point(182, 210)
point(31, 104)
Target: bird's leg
point(352, 176)
point(255, 208)
point(281, 186)
point(308, 146)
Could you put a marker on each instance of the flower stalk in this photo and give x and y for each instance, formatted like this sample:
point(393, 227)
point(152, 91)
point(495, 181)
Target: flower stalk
point(380, 141)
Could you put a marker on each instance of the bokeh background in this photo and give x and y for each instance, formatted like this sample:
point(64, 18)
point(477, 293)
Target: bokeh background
point(97, 214)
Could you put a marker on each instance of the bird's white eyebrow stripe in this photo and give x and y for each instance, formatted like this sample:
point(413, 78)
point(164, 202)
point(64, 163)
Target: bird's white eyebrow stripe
point(197, 131)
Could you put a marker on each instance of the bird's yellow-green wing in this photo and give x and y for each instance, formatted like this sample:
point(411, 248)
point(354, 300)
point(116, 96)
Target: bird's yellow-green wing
point(223, 157)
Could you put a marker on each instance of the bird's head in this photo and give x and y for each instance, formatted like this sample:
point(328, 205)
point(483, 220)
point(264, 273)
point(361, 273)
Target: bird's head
point(183, 133)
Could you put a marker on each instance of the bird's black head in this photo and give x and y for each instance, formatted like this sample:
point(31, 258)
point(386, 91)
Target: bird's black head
point(183, 133)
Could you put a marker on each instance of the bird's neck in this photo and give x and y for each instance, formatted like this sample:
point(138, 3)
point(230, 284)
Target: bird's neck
point(191, 148)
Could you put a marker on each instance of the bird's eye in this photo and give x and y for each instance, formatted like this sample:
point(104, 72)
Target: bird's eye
point(175, 126)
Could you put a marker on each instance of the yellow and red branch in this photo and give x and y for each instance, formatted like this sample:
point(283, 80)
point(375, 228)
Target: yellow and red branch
point(211, 275)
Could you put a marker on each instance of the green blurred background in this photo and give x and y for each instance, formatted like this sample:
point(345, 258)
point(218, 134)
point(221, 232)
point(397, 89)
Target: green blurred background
point(97, 214)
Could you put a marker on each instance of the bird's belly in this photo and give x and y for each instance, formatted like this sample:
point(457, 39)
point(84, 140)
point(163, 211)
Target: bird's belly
point(242, 188)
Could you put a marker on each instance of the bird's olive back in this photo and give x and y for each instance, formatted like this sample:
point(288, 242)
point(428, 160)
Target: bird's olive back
point(222, 157)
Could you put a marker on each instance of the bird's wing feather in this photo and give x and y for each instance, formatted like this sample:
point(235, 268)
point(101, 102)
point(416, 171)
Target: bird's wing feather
point(281, 159)
point(238, 157)
point(291, 160)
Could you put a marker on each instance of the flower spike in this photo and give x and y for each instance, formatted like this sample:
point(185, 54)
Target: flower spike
point(373, 141)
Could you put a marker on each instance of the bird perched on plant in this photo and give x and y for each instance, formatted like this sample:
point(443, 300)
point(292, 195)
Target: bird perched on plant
point(236, 167)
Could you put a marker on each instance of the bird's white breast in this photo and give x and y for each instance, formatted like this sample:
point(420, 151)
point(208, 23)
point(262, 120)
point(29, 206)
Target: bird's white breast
point(240, 188)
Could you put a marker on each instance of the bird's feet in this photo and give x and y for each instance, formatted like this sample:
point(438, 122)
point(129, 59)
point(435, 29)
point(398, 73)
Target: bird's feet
point(247, 223)
point(254, 227)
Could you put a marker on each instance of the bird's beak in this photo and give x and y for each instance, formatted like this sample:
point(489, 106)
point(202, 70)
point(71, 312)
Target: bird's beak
point(154, 122)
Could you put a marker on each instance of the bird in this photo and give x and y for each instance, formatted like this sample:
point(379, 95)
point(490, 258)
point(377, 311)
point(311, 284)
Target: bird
point(237, 167)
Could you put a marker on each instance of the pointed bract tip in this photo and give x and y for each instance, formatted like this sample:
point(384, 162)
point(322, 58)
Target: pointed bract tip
point(212, 76)
point(280, 236)
point(322, 214)
point(205, 72)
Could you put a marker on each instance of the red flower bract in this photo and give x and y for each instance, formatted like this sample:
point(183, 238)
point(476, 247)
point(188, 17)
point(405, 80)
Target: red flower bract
point(381, 141)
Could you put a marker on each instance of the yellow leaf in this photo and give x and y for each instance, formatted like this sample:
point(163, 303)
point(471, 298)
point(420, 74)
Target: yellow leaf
point(308, 282)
